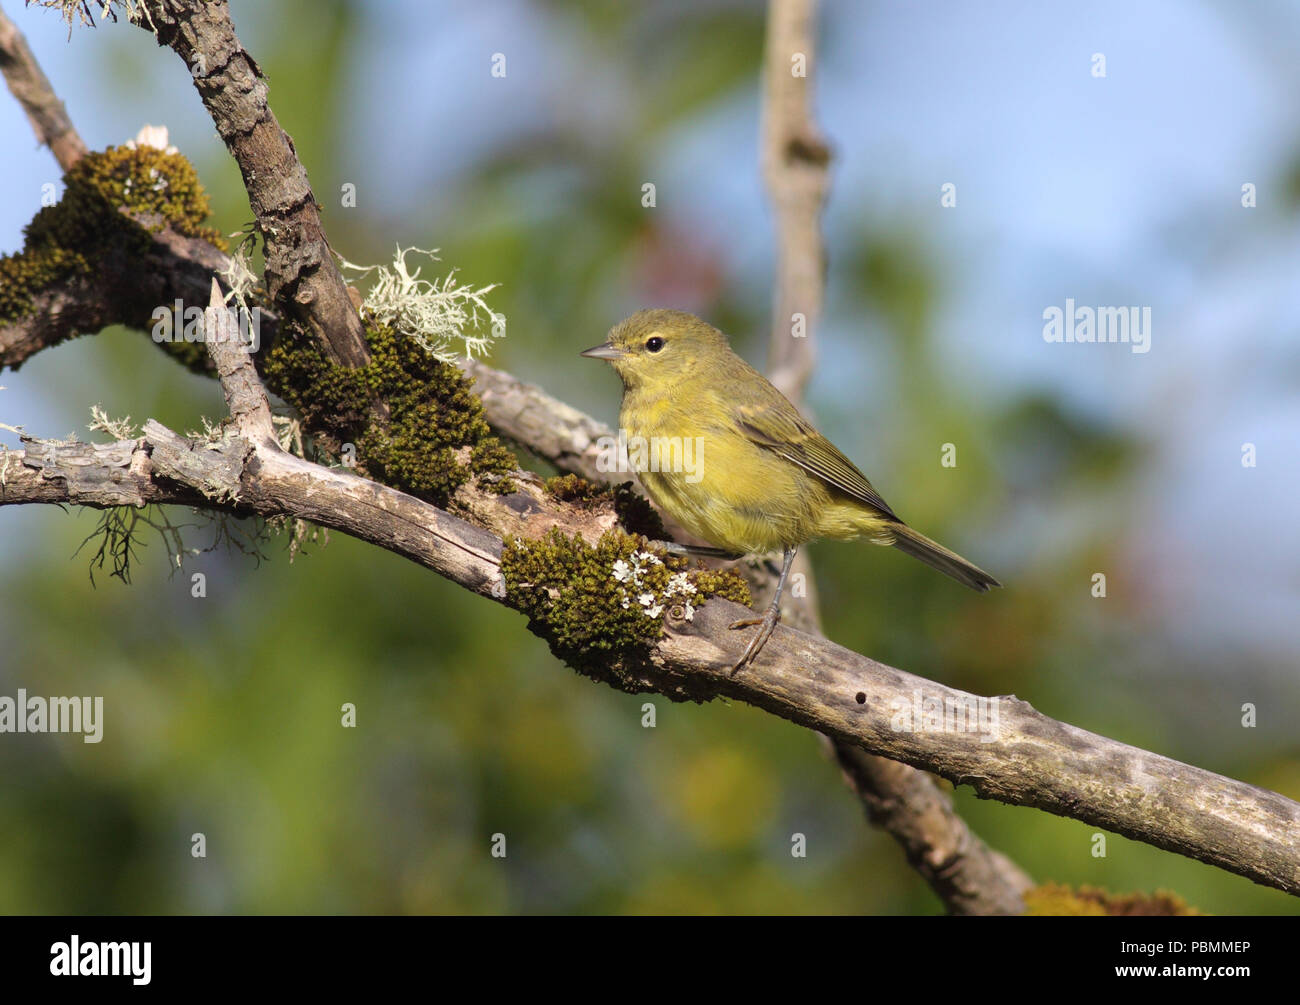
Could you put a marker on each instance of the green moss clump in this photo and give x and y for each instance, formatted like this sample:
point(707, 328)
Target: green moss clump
point(597, 604)
point(436, 437)
point(1057, 900)
point(634, 512)
point(637, 515)
point(23, 275)
point(90, 224)
point(576, 490)
point(491, 457)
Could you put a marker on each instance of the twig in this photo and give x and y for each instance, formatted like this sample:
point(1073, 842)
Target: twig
point(29, 85)
point(245, 396)
point(795, 158)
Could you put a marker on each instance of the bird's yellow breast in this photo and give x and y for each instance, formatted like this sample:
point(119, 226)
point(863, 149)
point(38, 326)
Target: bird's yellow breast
point(724, 488)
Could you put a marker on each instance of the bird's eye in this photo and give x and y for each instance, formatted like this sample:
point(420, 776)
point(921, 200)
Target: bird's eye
point(654, 344)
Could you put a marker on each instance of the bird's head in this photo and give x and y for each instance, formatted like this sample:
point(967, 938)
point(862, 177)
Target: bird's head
point(659, 348)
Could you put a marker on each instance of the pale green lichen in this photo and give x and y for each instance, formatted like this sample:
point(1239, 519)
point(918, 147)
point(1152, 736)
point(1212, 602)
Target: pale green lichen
point(119, 429)
point(241, 281)
point(444, 317)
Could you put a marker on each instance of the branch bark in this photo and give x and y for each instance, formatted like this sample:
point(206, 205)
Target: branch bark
point(301, 275)
point(44, 110)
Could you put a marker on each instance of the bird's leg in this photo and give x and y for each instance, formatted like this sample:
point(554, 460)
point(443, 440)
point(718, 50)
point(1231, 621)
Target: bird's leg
point(767, 623)
point(701, 550)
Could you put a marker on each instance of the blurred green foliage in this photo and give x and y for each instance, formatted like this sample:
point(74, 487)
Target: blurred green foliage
point(223, 714)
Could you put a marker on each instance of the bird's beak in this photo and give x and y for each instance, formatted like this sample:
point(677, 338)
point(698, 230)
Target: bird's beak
point(603, 351)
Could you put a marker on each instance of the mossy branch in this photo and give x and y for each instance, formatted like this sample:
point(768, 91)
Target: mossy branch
point(1032, 760)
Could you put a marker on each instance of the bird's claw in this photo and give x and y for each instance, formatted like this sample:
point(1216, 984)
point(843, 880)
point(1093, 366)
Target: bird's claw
point(767, 625)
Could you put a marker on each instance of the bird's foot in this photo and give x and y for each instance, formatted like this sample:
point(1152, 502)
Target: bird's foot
point(767, 625)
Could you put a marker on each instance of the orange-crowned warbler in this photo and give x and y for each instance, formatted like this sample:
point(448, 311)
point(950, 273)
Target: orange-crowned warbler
point(761, 476)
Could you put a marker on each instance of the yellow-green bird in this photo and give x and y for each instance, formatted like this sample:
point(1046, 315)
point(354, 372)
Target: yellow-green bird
point(760, 477)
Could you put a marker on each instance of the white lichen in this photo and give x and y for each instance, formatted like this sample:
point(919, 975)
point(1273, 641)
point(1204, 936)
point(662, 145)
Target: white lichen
point(238, 273)
point(73, 10)
point(119, 429)
point(211, 431)
point(447, 319)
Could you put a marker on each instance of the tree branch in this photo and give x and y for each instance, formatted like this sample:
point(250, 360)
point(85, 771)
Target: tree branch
point(538, 422)
point(795, 159)
point(1028, 759)
point(125, 289)
point(968, 876)
point(27, 83)
point(301, 275)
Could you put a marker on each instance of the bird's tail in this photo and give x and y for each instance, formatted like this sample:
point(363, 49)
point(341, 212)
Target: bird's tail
point(938, 557)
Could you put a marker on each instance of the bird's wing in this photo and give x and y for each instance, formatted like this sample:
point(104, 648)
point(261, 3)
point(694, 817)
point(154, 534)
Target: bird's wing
point(779, 427)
